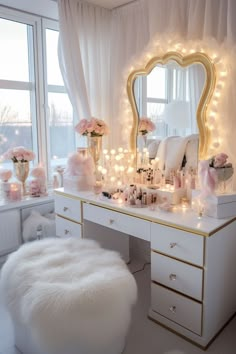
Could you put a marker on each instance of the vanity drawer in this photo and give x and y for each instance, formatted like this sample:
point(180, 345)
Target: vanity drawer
point(177, 275)
point(67, 228)
point(178, 308)
point(117, 221)
point(68, 207)
point(177, 243)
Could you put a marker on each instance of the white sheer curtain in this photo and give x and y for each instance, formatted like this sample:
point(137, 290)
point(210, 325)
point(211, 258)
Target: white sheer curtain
point(129, 36)
point(195, 19)
point(84, 53)
point(196, 81)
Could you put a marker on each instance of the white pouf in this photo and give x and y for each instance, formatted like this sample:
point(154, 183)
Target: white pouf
point(68, 296)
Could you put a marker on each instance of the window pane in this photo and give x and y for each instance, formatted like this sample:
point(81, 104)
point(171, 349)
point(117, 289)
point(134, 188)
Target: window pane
point(156, 83)
point(15, 120)
point(53, 70)
point(14, 50)
point(61, 126)
point(155, 111)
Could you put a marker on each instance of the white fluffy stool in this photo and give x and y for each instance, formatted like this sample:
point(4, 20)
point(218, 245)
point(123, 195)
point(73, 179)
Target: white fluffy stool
point(68, 296)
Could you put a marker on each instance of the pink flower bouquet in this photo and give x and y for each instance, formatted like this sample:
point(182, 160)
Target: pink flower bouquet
point(145, 126)
point(19, 153)
point(92, 127)
point(219, 160)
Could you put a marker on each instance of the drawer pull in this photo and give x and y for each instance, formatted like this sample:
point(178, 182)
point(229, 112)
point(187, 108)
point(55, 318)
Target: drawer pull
point(173, 244)
point(111, 221)
point(66, 232)
point(65, 209)
point(172, 309)
point(172, 276)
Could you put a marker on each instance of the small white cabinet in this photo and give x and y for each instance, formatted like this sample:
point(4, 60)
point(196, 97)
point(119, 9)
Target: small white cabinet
point(10, 231)
point(12, 216)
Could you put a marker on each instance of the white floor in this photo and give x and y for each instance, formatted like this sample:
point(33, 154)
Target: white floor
point(145, 336)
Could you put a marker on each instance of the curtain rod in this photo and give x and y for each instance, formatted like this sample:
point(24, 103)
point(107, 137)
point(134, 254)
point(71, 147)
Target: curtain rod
point(117, 7)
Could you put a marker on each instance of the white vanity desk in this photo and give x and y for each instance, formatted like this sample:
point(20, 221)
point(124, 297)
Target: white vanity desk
point(193, 261)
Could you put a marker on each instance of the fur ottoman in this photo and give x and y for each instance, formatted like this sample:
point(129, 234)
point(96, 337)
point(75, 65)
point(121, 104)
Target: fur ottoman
point(68, 296)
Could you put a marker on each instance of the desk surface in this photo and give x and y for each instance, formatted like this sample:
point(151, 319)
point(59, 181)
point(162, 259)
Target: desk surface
point(185, 219)
point(25, 202)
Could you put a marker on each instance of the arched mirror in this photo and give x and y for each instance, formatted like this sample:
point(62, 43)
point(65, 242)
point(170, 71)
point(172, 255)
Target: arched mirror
point(174, 92)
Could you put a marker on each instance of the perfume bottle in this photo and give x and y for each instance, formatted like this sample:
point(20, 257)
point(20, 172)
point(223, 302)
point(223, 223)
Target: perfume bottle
point(163, 181)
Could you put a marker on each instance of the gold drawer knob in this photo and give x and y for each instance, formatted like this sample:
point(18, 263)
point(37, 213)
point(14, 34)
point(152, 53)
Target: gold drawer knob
point(111, 221)
point(172, 309)
point(172, 276)
point(65, 209)
point(173, 244)
point(66, 232)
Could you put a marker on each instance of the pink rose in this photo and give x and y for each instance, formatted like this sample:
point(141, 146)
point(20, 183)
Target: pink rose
point(81, 127)
point(19, 153)
point(93, 127)
point(146, 125)
point(220, 160)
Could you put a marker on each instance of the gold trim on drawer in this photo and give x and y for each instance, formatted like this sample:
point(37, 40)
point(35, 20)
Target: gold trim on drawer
point(177, 292)
point(68, 219)
point(177, 259)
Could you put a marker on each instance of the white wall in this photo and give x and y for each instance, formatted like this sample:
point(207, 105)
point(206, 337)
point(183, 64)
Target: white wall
point(46, 8)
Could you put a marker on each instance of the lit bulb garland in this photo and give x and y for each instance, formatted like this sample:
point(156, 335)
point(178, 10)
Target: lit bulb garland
point(168, 42)
point(117, 167)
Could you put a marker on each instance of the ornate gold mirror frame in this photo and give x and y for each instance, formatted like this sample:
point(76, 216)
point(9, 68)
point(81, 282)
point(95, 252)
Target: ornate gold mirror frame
point(184, 61)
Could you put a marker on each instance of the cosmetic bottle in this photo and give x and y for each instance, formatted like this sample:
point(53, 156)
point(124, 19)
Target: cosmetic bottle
point(144, 198)
point(157, 176)
point(182, 179)
point(176, 181)
point(163, 181)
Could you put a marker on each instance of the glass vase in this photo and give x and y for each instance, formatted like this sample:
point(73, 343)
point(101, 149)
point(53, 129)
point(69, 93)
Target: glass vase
point(142, 141)
point(224, 180)
point(95, 147)
point(21, 172)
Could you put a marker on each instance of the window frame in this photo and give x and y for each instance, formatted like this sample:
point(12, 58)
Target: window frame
point(39, 87)
point(34, 21)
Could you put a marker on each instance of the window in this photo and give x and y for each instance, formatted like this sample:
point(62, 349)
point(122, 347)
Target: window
point(17, 86)
point(152, 94)
point(35, 110)
point(155, 91)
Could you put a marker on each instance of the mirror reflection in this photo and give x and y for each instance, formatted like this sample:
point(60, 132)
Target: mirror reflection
point(169, 95)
